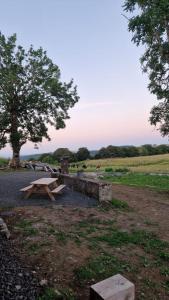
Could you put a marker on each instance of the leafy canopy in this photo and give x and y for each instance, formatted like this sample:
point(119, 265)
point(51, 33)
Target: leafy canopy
point(32, 95)
point(149, 23)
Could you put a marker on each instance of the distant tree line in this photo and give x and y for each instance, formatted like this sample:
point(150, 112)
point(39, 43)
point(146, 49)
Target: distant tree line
point(51, 158)
point(131, 151)
point(105, 152)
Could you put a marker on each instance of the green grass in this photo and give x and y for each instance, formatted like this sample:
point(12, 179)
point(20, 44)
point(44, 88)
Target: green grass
point(116, 203)
point(3, 161)
point(61, 294)
point(60, 235)
point(142, 238)
point(51, 294)
point(101, 267)
point(141, 180)
point(26, 227)
point(141, 164)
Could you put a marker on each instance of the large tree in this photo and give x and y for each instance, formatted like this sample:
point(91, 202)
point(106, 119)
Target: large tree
point(149, 22)
point(32, 95)
point(83, 154)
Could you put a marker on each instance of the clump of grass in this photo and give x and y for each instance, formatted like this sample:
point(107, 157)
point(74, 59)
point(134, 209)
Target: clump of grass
point(164, 271)
point(107, 170)
point(150, 223)
point(122, 170)
point(33, 248)
point(68, 294)
point(116, 203)
point(27, 228)
point(147, 240)
point(164, 256)
point(51, 294)
point(99, 268)
point(59, 234)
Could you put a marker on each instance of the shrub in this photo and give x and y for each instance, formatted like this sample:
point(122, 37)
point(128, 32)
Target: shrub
point(108, 170)
point(123, 170)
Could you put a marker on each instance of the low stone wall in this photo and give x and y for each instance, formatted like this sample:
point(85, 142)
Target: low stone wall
point(101, 191)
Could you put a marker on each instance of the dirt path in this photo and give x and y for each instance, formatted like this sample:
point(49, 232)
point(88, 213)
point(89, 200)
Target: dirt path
point(149, 205)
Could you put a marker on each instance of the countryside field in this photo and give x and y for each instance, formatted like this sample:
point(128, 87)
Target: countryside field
point(145, 164)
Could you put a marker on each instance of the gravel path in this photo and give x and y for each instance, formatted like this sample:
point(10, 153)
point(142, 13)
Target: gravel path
point(10, 196)
point(16, 281)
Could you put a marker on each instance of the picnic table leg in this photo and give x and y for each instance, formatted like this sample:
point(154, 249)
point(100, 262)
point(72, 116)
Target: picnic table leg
point(28, 194)
point(49, 193)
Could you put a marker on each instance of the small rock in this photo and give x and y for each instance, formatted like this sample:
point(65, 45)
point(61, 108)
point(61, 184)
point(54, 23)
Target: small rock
point(18, 287)
point(43, 282)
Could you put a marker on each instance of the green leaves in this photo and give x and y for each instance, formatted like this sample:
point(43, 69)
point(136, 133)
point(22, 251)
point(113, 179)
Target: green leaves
point(32, 96)
point(150, 27)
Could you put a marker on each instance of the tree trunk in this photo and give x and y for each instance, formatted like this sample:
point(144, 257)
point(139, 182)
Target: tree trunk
point(15, 162)
point(15, 141)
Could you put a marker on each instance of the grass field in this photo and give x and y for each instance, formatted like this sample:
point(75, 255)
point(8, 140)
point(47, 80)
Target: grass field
point(3, 161)
point(142, 180)
point(142, 164)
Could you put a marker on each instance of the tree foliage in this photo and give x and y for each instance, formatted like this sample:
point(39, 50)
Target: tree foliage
point(82, 154)
point(131, 151)
point(61, 152)
point(32, 95)
point(149, 23)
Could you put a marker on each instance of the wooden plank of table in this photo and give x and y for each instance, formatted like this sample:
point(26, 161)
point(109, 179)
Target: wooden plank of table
point(44, 181)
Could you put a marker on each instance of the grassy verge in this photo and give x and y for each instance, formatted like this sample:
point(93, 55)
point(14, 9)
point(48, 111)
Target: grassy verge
point(141, 180)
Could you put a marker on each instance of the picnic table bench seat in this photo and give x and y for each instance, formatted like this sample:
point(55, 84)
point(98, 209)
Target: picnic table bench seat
point(58, 189)
point(27, 188)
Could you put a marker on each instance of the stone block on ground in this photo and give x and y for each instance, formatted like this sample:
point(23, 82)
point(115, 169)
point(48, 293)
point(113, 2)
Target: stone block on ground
point(4, 229)
point(114, 288)
point(105, 192)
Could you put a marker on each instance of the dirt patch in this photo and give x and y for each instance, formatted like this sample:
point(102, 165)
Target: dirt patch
point(150, 207)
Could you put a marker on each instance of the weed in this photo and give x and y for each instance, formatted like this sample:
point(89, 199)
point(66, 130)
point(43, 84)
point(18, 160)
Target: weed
point(164, 256)
point(59, 234)
point(122, 170)
point(164, 271)
point(116, 203)
point(167, 285)
point(51, 294)
point(145, 262)
point(33, 248)
point(150, 223)
point(99, 268)
point(108, 170)
point(67, 293)
point(26, 227)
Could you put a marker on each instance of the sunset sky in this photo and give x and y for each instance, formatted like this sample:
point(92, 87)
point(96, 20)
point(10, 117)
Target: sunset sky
point(89, 41)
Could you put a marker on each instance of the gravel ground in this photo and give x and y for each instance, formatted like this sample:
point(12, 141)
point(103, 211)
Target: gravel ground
point(10, 196)
point(16, 281)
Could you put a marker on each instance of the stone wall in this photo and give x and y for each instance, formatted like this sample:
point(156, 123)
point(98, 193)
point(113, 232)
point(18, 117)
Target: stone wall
point(99, 190)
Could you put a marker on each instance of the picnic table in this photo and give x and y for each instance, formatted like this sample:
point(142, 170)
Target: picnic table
point(47, 186)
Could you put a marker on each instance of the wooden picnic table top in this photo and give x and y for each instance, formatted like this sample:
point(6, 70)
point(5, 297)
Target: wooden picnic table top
point(44, 181)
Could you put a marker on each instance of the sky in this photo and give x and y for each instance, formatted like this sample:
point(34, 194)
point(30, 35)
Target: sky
point(90, 42)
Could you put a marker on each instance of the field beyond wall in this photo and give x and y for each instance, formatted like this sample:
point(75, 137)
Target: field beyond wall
point(141, 164)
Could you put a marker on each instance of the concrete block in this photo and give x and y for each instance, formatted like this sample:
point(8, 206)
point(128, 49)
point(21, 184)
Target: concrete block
point(114, 288)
